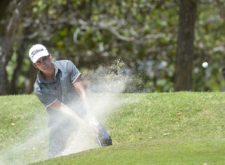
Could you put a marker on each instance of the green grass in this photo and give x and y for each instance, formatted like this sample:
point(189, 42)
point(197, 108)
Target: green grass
point(187, 116)
point(145, 153)
point(22, 117)
point(156, 129)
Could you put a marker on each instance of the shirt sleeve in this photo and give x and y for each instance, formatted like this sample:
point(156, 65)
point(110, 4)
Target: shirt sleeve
point(73, 71)
point(45, 97)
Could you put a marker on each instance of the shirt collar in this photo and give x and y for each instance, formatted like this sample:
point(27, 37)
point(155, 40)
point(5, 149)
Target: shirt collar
point(41, 78)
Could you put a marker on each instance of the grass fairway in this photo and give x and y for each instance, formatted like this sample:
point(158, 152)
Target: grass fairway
point(158, 128)
point(22, 119)
point(147, 154)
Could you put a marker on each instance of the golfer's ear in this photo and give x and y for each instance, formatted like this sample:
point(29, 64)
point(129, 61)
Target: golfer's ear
point(50, 56)
point(34, 65)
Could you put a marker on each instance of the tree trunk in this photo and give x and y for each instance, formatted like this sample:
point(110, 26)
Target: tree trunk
point(7, 33)
point(3, 79)
point(3, 51)
point(185, 42)
point(3, 7)
point(17, 70)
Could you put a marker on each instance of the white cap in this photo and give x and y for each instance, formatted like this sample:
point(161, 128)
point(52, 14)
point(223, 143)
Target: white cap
point(37, 51)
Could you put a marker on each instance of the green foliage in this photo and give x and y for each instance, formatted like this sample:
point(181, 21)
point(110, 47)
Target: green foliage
point(209, 47)
point(143, 34)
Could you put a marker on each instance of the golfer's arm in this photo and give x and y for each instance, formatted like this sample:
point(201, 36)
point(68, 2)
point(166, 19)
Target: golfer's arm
point(79, 87)
point(57, 105)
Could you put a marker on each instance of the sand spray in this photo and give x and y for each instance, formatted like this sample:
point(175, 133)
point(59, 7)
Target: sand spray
point(103, 88)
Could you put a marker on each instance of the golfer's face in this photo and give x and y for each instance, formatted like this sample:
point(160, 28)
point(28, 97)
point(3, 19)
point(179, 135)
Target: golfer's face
point(44, 63)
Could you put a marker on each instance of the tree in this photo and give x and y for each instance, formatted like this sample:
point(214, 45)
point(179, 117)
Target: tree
point(8, 29)
point(185, 42)
point(3, 6)
point(141, 34)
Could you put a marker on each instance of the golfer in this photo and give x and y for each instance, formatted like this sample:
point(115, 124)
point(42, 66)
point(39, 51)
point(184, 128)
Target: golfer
point(58, 86)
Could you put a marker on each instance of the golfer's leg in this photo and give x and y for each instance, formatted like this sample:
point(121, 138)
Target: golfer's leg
point(56, 144)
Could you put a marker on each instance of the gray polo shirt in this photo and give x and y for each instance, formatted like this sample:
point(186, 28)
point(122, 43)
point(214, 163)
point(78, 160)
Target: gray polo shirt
point(61, 87)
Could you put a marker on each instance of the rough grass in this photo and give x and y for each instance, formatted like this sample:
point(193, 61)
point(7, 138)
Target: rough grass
point(22, 118)
point(186, 116)
point(157, 128)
